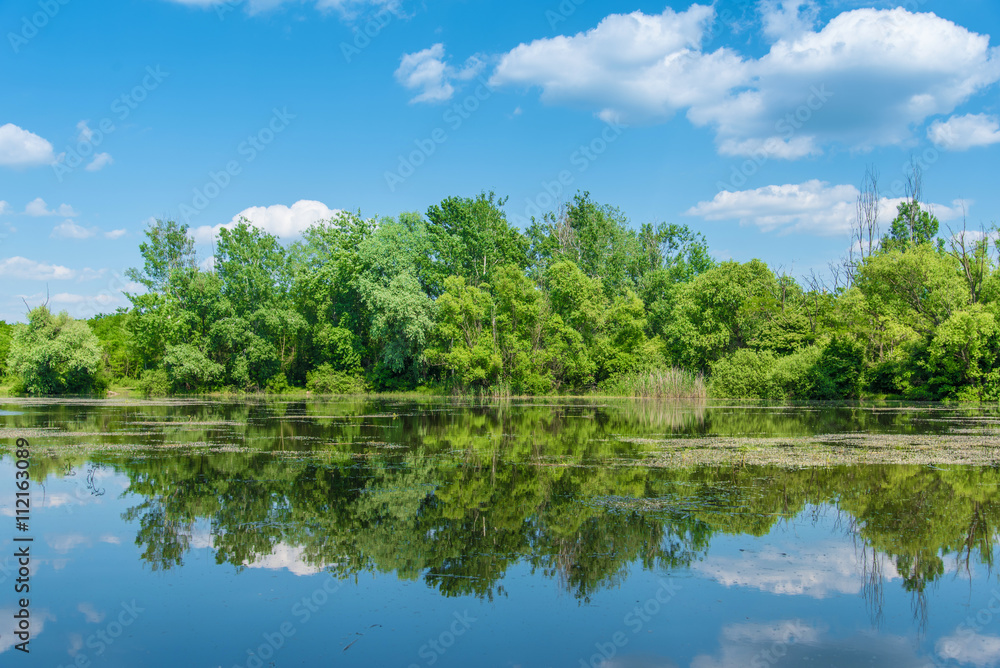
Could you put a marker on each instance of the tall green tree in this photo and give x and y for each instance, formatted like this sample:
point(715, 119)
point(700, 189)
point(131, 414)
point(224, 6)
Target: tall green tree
point(168, 247)
point(470, 237)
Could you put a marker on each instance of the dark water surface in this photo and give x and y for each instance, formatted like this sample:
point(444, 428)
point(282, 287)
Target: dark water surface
point(534, 533)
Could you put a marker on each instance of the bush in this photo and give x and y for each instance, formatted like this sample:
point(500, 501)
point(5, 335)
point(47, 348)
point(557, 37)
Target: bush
point(55, 355)
point(326, 380)
point(798, 376)
point(153, 383)
point(278, 384)
point(746, 374)
point(190, 370)
point(843, 364)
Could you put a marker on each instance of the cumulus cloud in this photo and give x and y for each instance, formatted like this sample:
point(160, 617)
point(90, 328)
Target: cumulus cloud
point(865, 79)
point(282, 221)
point(4, 207)
point(38, 207)
point(815, 207)
point(960, 133)
point(634, 66)
point(115, 234)
point(428, 72)
point(22, 267)
point(100, 161)
point(785, 19)
point(70, 230)
point(20, 148)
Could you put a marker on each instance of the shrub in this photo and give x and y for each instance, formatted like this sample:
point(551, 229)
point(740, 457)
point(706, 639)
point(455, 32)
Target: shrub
point(326, 380)
point(745, 374)
point(153, 383)
point(278, 384)
point(55, 355)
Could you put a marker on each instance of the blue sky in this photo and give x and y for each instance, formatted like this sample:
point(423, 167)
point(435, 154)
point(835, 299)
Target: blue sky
point(750, 121)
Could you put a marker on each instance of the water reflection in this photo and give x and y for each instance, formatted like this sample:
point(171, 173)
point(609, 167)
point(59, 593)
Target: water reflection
point(455, 494)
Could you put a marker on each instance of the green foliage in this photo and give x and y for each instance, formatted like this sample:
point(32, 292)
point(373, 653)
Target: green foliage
point(721, 311)
point(327, 380)
point(154, 383)
point(582, 301)
point(190, 370)
point(56, 355)
point(842, 364)
point(469, 238)
point(913, 226)
point(168, 248)
point(6, 335)
point(745, 374)
point(464, 343)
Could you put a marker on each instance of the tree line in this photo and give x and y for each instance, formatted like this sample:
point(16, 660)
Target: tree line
point(460, 300)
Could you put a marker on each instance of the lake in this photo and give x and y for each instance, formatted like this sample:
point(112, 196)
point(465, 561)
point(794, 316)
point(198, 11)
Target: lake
point(539, 533)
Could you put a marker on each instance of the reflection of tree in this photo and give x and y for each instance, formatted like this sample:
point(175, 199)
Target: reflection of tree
point(456, 494)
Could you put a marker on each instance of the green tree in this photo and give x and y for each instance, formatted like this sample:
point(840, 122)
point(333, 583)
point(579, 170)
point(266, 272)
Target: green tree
point(464, 343)
point(168, 247)
point(470, 237)
point(912, 226)
point(721, 311)
point(55, 355)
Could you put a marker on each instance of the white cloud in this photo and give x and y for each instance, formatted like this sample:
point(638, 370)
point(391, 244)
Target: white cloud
point(785, 19)
point(814, 207)
point(115, 234)
point(960, 133)
point(969, 647)
point(85, 133)
point(4, 207)
point(635, 67)
point(38, 207)
point(100, 161)
point(866, 79)
point(428, 72)
point(21, 267)
point(103, 300)
point(70, 230)
point(20, 148)
point(280, 220)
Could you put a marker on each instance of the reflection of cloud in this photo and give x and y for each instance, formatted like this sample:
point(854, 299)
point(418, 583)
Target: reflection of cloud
point(65, 542)
point(968, 647)
point(90, 613)
point(8, 625)
point(794, 643)
point(201, 536)
point(285, 556)
point(818, 570)
point(108, 538)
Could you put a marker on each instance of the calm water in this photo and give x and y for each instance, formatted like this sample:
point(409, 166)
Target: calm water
point(522, 534)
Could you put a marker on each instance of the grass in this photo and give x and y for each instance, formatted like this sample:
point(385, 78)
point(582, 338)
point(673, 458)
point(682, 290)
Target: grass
point(672, 383)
